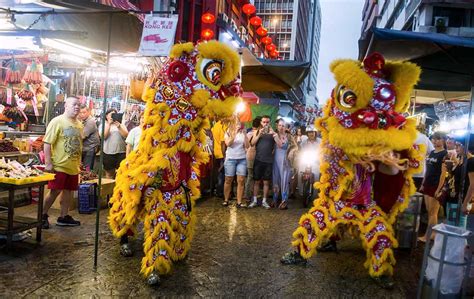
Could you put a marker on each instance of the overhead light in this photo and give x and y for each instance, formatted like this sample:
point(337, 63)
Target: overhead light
point(132, 64)
point(61, 46)
point(73, 58)
point(18, 43)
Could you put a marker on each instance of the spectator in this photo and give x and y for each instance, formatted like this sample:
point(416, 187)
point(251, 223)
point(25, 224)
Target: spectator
point(454, 179)
point(432, 186)
point(264, 142)
point(91, 139)
point(133, 138)
point(62, 150)
point(219, 150)
point(421, 138)
point(235, 161)
point(114, 144)
point(468, 199)
point(284, 153)
point(251, 158)
point(311, 146)
point(300, 137)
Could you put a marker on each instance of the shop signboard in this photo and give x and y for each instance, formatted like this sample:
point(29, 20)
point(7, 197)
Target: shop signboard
point(158, 35)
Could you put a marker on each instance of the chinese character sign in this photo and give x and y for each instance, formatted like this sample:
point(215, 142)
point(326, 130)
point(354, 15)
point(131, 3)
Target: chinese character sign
point(158, 36)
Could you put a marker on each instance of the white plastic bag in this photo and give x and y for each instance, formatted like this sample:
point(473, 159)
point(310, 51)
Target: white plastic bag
point(452, 276)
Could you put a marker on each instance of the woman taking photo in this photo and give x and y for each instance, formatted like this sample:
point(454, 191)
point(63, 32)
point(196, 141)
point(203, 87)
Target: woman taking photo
point(434, 180)
point(235, 161)
point(114, 143)
point(286, 148)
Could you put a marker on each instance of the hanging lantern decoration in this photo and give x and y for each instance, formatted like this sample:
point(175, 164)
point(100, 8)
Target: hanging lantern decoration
point(249, 9)
point(207, 34)
point(208, 18)
point(256, 21)
point(262, 31)
point(266, 40)
point(270, 48)
point(274, 54)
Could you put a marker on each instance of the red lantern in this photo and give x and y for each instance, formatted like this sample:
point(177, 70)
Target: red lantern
point(207, 34)
point(256, 21)
point(271, 47)
point(262, 31)
point(266, 40)
point(274, 54)
point(208, 18)
point(249, 9)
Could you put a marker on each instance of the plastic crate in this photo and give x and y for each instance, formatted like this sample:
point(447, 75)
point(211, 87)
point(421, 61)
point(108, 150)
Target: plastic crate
point(87, 197)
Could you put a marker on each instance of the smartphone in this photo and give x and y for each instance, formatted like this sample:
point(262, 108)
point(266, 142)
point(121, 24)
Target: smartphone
point(117, 117)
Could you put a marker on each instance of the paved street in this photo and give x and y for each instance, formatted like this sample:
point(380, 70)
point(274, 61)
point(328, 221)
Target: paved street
point(235, 253)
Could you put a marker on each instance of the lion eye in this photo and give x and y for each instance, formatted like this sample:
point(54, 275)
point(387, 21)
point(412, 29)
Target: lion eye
point(346, 97)
point(212, 70)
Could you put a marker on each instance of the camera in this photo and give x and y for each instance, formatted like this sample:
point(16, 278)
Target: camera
point(117, 117)
point(266, 130)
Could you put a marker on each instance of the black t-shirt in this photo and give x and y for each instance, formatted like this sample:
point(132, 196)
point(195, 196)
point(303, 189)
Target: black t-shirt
point(434, 164)
point(264, 148)
point(457, 174)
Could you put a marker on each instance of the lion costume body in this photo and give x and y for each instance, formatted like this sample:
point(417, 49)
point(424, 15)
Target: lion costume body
point(363, 131)
point(159, 182)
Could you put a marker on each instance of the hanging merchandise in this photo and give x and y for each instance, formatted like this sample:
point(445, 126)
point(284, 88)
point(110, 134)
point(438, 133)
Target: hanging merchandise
point(137, 85)
point(13, 75)
point(34, 73)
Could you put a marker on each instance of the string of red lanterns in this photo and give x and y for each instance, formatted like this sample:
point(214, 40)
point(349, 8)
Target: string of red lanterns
point(207, 18)
point(249, 9)
point(256, 21)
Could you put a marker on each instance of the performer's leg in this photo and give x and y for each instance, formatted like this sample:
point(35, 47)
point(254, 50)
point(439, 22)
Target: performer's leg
point(378, 239)
point(315, 228)
point(159, 237)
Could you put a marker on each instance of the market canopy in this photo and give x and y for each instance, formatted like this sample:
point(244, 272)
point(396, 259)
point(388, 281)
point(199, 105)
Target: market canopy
point(447, 61)
point(261, 75)
point(434, 96)
point(88, 28)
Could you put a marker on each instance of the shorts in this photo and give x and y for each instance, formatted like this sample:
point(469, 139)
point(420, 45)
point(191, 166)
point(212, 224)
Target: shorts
point(64, 181)
point(262, 171)
point(112, 162)
point(429, 190)
point(235, 166)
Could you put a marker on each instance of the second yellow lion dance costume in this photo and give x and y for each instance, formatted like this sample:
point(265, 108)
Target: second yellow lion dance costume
point(367, 161)
point(159, 182)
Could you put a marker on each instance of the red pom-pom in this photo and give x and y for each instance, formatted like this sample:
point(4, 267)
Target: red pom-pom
point(374, 64)
point(177, 71)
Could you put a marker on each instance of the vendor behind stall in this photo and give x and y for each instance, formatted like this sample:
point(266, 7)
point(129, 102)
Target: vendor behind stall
point(63, 149)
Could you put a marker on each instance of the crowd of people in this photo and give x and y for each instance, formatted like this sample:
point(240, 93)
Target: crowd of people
point(260, 158)
point(263, 162)
point(441, 182)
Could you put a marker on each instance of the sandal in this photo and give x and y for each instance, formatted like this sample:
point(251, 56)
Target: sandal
point(225, 203)
point(241, 205)
point(283, 205)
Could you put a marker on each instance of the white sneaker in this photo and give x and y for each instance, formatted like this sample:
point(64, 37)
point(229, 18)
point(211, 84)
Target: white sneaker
point(265, 205)
point(253, 204)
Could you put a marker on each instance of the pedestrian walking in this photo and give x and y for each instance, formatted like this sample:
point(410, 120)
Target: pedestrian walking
point(62, 150)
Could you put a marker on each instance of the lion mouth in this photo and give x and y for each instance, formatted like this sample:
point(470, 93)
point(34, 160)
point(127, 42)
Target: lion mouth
point(375, 156)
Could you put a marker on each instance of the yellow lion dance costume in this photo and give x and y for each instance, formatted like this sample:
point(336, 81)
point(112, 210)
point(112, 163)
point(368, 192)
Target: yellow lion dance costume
point(159, 182)
point(367, 161)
